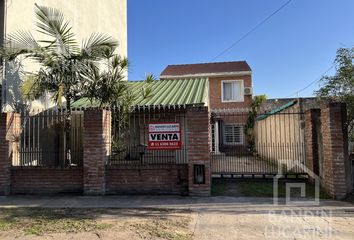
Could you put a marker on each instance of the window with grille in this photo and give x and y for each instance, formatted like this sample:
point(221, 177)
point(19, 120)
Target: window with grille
point(232, 91)
point(233, 134)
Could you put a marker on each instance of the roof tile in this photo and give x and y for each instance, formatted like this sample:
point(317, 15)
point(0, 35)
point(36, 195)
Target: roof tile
point(205, 68)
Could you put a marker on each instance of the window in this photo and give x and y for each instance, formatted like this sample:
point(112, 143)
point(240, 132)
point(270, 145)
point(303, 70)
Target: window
point(233, 134)
point(232, 91)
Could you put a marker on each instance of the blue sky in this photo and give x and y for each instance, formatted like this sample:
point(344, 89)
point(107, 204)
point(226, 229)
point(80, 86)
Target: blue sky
point(286, 53)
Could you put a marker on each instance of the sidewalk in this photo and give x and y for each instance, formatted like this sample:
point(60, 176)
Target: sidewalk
point(219, 203)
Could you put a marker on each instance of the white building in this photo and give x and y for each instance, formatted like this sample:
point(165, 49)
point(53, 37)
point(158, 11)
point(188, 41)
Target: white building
point(86, 17)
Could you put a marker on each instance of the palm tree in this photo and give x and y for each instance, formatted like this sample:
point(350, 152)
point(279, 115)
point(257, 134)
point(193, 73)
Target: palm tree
point(62, 61)
point(107, 88)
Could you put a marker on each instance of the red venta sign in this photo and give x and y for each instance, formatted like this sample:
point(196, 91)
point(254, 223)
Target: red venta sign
point(164, 136)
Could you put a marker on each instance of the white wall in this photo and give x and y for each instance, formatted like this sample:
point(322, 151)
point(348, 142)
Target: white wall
point(86, 17)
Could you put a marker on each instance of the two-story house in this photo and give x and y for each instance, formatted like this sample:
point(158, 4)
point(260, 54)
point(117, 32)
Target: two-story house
point(229, 89)
point(85, 16)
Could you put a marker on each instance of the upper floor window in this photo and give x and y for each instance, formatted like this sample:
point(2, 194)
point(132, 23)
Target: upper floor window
point(232, 91)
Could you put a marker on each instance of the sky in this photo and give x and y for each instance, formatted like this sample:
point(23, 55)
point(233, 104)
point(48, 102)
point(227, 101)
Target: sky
point(293, 48)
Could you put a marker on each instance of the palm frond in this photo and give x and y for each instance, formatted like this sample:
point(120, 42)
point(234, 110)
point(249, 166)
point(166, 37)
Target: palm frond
point(31, 88)
point(118, 62)
point(51, 22)
point(150, 78)
point(58, 95)
point(22, 43)
point(98, 45)
point(146, 90)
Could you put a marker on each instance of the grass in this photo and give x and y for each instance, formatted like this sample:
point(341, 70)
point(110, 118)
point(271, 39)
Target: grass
point(217, 189)
point(39, 221)
point(177, 229)
point(145, 223)
point(265, 189)
point(262, 189)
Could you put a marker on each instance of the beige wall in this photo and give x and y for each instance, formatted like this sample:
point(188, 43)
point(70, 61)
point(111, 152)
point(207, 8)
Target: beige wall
point(86, 17)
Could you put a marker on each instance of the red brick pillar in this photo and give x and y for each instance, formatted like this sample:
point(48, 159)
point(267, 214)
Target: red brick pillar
point(336, 165)
point(311, 140)
point(96, 144)
point(198, 145)
point(9, 136)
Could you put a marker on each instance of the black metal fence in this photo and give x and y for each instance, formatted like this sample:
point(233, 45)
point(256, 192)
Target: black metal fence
point(271, 144)
point(42, 139)
point(129, 143)
point(351, 156)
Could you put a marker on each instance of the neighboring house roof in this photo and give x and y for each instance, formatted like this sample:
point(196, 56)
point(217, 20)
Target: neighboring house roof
point(305, 103)
point(206, 69)
point(164, 93)
point(277, 110)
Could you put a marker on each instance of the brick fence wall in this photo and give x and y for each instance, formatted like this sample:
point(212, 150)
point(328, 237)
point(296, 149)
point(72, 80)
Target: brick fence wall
point(326, 139)
point(198, 142)
point(9, 129)
point(34, 180)
point(97, 178)
point(162, 179)
point(336, 165)
point(97, 126)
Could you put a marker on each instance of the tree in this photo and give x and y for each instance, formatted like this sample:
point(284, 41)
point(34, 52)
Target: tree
point(107, 88)
point(62, 62)
point(251, 120)
point(340, 86)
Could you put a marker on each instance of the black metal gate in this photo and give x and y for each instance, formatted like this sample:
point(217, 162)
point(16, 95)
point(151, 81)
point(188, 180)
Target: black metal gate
point(265, 144)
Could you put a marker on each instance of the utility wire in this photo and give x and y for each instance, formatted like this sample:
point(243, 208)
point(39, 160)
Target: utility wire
point(252, 30)
point(311, 83)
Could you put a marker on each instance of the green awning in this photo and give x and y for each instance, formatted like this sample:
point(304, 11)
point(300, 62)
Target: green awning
point(277, 110)
point(164, 93)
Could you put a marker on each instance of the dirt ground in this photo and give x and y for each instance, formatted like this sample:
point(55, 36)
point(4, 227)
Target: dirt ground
point(87, 224)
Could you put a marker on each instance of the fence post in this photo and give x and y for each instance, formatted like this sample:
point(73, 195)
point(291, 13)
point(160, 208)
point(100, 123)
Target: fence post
point(9, 149)
point(336, 165)
point(311, 141)
point(198, 144)
point(96, 146)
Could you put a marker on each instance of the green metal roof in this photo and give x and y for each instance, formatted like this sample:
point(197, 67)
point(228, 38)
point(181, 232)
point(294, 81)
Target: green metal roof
point(277, 110)
point(164, 92)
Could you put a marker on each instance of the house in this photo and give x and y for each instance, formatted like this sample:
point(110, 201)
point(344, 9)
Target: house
point(85, 16)
point(229, 89)
point(224, 87)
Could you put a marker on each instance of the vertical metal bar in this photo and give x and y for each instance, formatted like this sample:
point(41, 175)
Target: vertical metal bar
point(37, 126)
